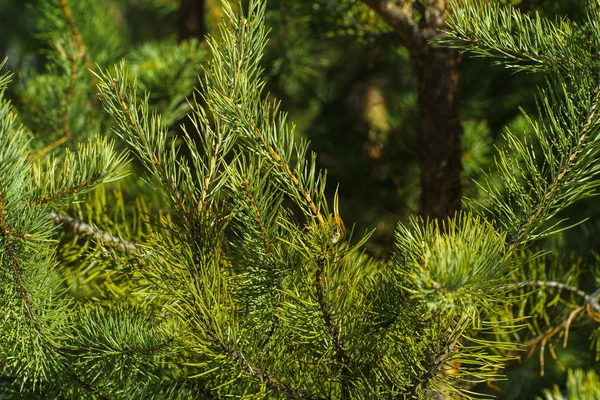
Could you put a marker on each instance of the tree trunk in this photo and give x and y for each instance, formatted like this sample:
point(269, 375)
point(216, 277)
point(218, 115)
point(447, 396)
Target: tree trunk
point(437, 71)
point(440, 132)
point(190, 21)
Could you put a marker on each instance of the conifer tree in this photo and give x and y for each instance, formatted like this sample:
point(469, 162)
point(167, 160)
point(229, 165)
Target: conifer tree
point(236, 276)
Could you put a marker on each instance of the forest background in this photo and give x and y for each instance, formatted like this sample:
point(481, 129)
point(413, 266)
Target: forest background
point(352, 87)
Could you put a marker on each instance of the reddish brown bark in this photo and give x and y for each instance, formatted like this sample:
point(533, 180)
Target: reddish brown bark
point(438, 77)
point(440, 133)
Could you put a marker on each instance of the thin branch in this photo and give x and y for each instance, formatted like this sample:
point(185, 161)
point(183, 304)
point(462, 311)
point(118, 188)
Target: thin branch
point(590, 304)
point(400, 19)
point(83, 229)
point(211, 171)
point(64, 111)
point(78, 38)
point(270, 381)
point(419, 384)
point(288, 171)
point(50, 147)
point(33, 109)
point(335, 331)
point(260, 221)
point(551, 284)
point(68, 191)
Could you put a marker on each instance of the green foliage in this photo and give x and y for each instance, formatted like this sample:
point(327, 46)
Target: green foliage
point(580, 385)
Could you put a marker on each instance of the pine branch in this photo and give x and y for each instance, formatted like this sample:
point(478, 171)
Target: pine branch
point(520, 41)
point(113, 95)
point(83, 229)
point(259, 220)
point(17, 269)
point(551, 284)
point(165, 179)
point(432, 367)
point(590, 303)
point(571, 161)
point(212, 169)
point(291, 175)
point(78, 172)
point(270, 381)
point(269, 254)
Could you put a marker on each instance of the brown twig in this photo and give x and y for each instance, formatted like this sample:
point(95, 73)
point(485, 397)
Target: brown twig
point(49, 148)
point(68, 191)
point(590, 308)
point(78, 38)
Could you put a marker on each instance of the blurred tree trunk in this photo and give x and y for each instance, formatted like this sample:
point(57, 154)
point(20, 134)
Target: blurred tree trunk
point(190, 20)
point(440, 134)
point(439, 101)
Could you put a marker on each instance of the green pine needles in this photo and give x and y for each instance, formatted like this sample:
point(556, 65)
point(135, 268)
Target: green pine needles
point(232, 275)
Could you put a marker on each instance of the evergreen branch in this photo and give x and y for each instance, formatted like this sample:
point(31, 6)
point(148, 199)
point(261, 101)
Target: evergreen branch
point(255, 372)
point(419, 384)
point(563, 325)
point(17, 269)
point(75, 32)
point(233, 93)
point(50, 147)
point(66, 10)
point(546, 203)
point(93, 163)
point(590, 301)
point(260, 210)
point(69, 191)
point(149, 138)
point(270, 381)
point(534, 42)
point(291, 175)
point(334, 330)
point(83, 229)
point(153, 157)
point(211, 170)
point(551, 284)
point(259, 220)
point(33, 109)
point(401, 21)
